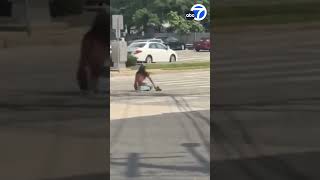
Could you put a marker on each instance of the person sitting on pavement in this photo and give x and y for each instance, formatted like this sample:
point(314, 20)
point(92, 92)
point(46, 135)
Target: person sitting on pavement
point(139, 83)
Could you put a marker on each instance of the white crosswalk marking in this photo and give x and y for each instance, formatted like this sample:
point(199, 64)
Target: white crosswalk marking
point(185, 81)
point(192, 81)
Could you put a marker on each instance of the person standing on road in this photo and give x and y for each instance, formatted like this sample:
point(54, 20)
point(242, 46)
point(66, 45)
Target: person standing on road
point(139, 83)
point(93, 54)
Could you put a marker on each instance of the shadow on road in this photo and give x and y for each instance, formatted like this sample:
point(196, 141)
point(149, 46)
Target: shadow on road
point(136, 164)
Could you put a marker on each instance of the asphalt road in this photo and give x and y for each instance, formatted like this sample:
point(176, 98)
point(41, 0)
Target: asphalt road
point(266, 105)
point(161, 135)
point(48, 130)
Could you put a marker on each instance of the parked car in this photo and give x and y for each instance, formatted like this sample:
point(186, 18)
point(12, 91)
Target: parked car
point(173, 42)
point(150, 52)
point(146, 40)
point(203, 44)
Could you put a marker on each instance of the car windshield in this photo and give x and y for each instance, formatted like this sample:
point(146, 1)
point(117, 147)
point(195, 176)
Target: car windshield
point(134, 46)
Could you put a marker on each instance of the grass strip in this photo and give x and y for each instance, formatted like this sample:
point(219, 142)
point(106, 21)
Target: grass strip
point(179, 66)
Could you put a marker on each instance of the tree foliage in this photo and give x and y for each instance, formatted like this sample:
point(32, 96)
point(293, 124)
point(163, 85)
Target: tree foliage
point(181, 25)
point(141, 13)
point(144, 18)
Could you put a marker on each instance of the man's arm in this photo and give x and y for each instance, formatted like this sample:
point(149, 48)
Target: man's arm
point(135, 83)
point(151, 81)
point(85, 50)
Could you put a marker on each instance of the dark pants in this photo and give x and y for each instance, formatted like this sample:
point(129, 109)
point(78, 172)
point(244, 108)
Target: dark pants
point(88, 78)
point(82, 77)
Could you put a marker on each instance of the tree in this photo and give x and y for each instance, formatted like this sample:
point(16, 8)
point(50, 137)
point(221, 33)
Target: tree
point(195, 26)
point(143, 19)
point(181, 25)
point(161, 8)
point(127, 9)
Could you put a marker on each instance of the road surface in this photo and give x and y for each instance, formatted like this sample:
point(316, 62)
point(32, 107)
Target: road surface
point(266, 105)
point(161, 135)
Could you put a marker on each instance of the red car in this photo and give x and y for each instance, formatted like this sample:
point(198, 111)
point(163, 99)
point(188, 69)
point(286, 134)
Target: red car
point(203, 44)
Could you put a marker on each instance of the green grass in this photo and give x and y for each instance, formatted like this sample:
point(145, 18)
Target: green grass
point(267, 14)
point(179, 66)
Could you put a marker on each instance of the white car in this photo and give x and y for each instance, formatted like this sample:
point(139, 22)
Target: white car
point(147, 40)
point(150, 52)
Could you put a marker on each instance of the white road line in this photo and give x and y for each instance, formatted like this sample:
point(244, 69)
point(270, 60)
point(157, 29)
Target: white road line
point(181, 82)
point(173, 85)
point(187, 81)
point(173, 80)
point(184, 77)
point(184, 85)
point(184, 88)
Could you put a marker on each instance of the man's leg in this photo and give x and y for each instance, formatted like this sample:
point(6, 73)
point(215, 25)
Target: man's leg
point(82, 77)
point(95, 73)
point(145, 87)
point(93, 84)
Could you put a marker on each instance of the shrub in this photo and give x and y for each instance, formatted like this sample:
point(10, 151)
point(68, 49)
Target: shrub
point(132, 61)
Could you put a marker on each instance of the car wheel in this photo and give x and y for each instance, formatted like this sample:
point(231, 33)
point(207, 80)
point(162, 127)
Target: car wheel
point(172, 58)
point(149, 59)
point(197, 50)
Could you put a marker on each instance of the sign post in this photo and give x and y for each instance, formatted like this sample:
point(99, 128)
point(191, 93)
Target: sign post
point(119, 48)
point(117, 24)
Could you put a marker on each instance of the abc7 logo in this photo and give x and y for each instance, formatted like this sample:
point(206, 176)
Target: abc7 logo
point(190, 15)
point(198, 12)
